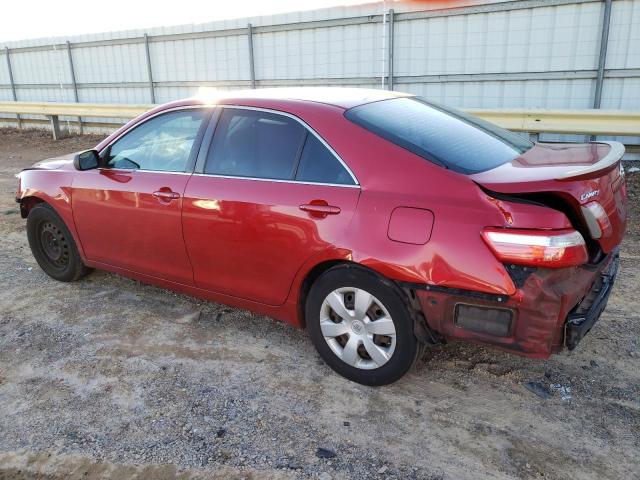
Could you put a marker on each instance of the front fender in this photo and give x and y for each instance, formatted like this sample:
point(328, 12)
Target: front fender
point(52, 187)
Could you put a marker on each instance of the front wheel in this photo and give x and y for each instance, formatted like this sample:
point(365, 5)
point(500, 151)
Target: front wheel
point(53, 246)
point(361, 326)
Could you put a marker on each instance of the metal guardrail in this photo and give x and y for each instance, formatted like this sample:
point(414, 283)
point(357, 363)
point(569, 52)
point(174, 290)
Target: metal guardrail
point(54, 110)
point(75, 109)
point(587, 122)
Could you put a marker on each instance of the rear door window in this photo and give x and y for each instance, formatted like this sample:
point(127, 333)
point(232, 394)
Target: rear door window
point(252, 143)
point(319, 165)
point(444, 136)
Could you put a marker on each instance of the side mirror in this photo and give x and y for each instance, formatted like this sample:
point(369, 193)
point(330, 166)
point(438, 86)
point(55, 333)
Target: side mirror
point(86, 160)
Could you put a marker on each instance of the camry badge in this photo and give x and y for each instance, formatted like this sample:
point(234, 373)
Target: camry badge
point(586, 196)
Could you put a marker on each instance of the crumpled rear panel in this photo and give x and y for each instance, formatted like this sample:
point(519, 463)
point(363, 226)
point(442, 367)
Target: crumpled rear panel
point(540, 307)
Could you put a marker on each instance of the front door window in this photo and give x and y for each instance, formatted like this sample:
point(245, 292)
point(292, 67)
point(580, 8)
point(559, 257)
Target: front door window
point(163, 143)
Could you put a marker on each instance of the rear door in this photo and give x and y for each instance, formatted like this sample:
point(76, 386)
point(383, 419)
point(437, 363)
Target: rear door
point(128, 214)
point(267, 195)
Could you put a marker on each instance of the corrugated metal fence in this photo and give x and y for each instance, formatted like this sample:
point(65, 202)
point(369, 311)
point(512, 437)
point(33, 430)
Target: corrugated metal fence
point(515, 54)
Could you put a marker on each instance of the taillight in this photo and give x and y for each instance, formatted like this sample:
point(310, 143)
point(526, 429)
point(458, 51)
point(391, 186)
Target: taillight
point(597, 220)
point(541, 248)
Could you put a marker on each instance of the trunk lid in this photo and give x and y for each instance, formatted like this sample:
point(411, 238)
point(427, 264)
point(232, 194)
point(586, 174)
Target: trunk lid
point(569, 177)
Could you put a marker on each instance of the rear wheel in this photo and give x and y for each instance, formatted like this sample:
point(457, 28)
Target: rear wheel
point(53, 246)
point(361, 326)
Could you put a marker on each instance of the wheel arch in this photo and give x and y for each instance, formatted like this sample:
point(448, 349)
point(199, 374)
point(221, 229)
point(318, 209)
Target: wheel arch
point(421, 328)
point(60, 204)
point(27, 203)
point(322, 266)
point(308, 280)
point(315, 266)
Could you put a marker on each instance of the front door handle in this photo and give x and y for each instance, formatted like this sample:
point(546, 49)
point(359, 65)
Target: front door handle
point(166, 195)
point(320, 210)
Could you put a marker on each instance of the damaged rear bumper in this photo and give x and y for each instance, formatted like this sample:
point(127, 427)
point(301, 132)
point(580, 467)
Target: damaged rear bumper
point(551, 309)
point(588, 311)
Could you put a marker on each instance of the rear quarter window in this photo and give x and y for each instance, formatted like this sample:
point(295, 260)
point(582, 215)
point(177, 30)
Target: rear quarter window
point(444, 136)
point(319, 165)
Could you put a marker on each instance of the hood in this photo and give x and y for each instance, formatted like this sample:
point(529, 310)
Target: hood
point(63, 162)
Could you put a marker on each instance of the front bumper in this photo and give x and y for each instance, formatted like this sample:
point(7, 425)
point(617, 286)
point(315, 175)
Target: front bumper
point(551, 309)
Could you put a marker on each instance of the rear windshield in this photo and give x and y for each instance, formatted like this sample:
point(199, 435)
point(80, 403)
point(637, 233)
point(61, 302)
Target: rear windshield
point(447, 137)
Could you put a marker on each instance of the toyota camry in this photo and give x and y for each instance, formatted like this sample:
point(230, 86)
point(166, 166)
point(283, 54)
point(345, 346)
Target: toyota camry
point(381, 222)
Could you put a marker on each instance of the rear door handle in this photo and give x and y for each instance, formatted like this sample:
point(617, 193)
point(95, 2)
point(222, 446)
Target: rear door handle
point(166, 195)
point(320, 209)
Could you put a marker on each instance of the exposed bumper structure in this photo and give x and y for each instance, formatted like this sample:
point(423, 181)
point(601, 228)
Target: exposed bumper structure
point(552, 308)
point(588, 311)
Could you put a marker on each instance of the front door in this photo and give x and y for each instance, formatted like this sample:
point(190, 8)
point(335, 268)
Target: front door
point(270, 196)
point(128, 214)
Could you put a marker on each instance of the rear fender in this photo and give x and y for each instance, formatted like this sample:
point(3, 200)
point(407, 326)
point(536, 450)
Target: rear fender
point(453, 255)
point(450, 252)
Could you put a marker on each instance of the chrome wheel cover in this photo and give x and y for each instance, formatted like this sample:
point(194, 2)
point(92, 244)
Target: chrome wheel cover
point(358, 328)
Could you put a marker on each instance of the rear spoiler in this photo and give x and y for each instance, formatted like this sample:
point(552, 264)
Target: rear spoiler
point(615, 154)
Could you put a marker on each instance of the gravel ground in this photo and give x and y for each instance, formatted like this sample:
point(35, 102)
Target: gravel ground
point(110, 378)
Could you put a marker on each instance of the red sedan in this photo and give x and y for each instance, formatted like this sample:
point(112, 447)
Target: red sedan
point(382, 222)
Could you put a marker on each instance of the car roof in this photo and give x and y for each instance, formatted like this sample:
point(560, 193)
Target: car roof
point(340, 97)
point(336, 96)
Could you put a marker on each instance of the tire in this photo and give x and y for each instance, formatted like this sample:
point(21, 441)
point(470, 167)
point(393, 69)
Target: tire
point(380, 358)
point(53, 246)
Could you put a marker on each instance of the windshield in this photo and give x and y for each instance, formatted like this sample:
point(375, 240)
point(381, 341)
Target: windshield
point(447, 137)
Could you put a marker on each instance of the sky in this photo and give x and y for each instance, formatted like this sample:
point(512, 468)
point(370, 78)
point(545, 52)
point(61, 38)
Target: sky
point(23, 19)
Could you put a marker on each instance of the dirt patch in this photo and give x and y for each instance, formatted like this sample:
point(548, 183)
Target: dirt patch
point(47, 466)
point(108, 378)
